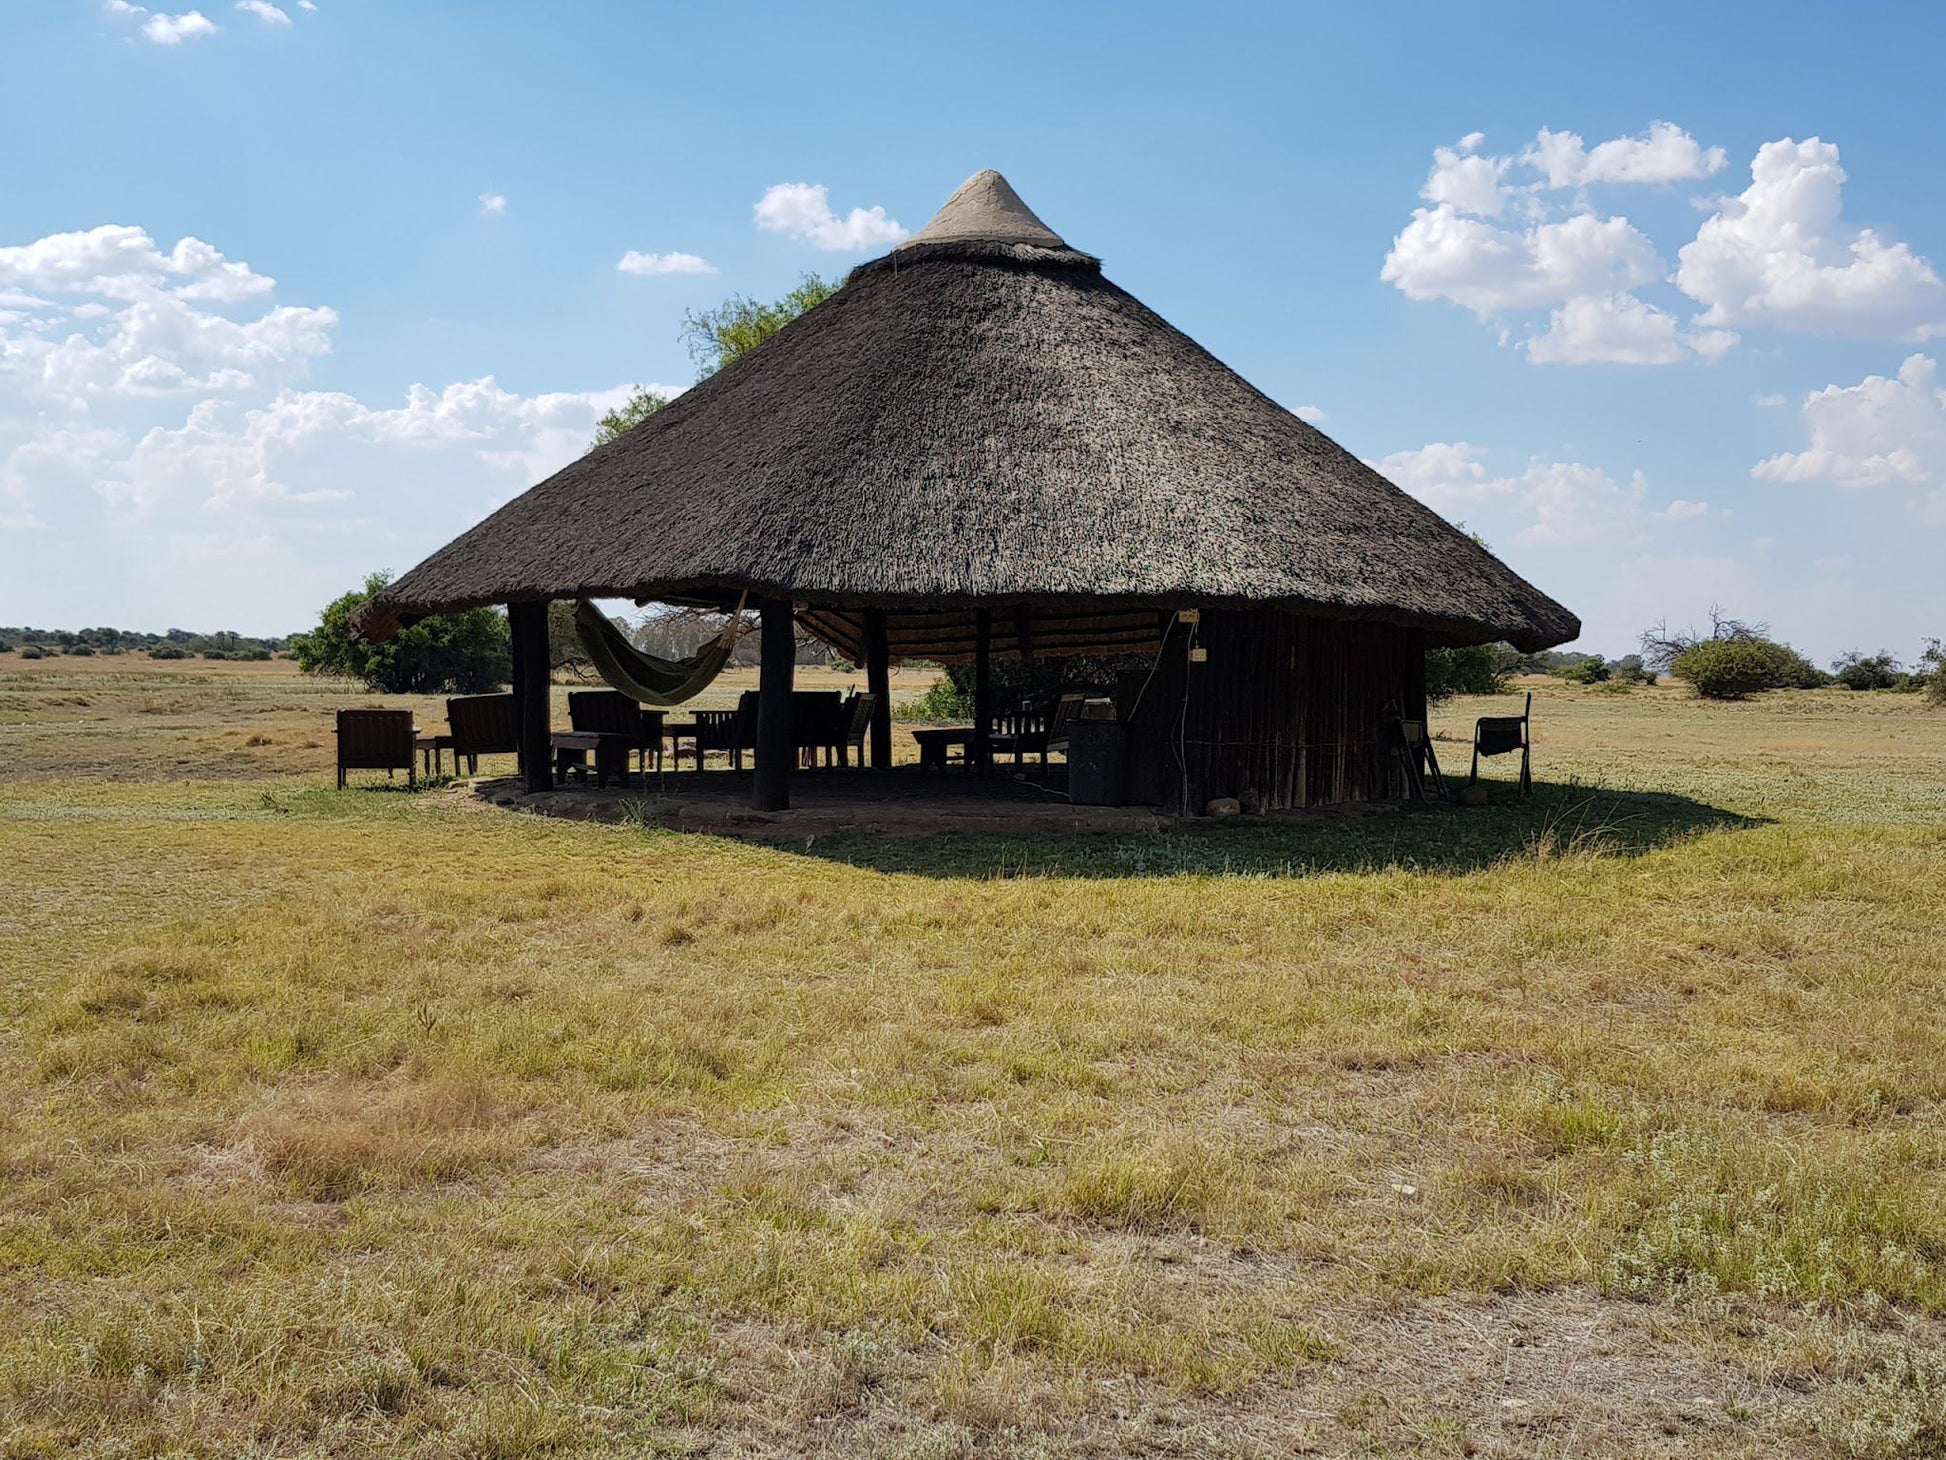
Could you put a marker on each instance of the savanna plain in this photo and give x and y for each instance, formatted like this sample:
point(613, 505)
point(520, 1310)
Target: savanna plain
point(372, 1122)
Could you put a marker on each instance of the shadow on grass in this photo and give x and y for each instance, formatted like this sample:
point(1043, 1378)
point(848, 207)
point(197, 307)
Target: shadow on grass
point(1561, 819)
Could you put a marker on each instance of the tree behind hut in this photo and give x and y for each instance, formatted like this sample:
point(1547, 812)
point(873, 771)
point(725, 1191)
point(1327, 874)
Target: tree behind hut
point(1476, 669)
point(641, 404)
point(720, 336)
point(454, 653)
point(715, 337)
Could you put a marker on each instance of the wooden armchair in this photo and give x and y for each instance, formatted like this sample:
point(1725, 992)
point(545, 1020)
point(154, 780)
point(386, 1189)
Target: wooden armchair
point(482, 725)
point(1503, 735)
point(1029, 732)
point(854, 723)
point(817, 724)
point(721, 730)
point(610, 712)
point(1411, 742)
point(377, 740)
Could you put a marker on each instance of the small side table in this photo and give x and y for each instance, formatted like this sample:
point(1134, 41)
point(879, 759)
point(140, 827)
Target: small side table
point(934, 745)
point(677, 731)
point(431, 748)
point(572, 748)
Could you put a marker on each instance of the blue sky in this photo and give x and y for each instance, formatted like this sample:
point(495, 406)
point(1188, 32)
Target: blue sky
point(1517, 258)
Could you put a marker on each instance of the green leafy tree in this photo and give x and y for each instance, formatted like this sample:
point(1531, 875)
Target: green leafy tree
point(640, 405)
point(1732, 669)
point(1859, 671)
point(720, 336)
point(457, 653)
point(564, 649)
point(1932, 669)
point(1591, 669)
point(1477, 669)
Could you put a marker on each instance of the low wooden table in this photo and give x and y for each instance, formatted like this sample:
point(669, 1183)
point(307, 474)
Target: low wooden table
point(572, 748)
point(934, 745)
point(431, 748)
point(677, 731)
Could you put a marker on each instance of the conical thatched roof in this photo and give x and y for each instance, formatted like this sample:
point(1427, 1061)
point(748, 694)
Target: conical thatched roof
point(981, 419)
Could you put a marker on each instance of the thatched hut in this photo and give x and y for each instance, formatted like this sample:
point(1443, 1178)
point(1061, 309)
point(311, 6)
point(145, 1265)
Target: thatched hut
point(979, 447)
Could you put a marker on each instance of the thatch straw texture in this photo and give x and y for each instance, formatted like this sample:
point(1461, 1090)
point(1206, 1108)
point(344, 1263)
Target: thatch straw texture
point(981, 418)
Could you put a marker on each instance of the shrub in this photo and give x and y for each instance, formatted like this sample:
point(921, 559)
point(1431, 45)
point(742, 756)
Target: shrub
point(1478, 669)
point(1630, 669)
point(458, 653)
point(255, 656)
point(168, 651)
point(1730, 669)
point(1866, 671)
point(32, 651)
point(943, 700)
point(215, 654)
point(1591, 670)
point(81, 651)
point(1932, 669)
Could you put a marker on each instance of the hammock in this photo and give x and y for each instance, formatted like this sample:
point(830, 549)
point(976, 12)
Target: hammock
point(643, 677)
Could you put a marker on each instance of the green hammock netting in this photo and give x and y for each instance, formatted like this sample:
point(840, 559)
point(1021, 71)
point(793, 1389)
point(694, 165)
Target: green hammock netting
point(643, 677)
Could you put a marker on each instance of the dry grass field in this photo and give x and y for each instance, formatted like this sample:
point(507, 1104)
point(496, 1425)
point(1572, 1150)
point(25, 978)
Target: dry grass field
point(359, 1123)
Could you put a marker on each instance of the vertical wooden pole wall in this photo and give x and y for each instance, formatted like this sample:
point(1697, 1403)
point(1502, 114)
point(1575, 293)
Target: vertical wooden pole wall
point(776, 675)
point(878, 680)
point(983, 693)
point(527, 627)
point(1292, 710)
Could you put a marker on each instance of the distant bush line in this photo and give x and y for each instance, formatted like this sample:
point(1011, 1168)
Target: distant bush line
point(35, 643)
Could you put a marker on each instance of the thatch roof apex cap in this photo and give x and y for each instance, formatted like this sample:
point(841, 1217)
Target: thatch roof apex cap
point(985, 209)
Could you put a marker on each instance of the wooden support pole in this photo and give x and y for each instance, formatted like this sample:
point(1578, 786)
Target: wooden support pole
point(771, 786)
point(527, 626)
point(878, 680)
point(983, 693)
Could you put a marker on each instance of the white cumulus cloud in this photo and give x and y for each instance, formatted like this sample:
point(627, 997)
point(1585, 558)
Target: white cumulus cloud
point(266, 12)
point(1882, 432)
point(492, 205)
point(160, 450)
point(173, 30)
point(1502, 235)
point(1615, 329)
point(803, 211)
point(1443, 254)
point(118, 261)
point(634, 262)
point(1469, 182)
point(1663, 154)
point(1553, 503)
point(1780, 253)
